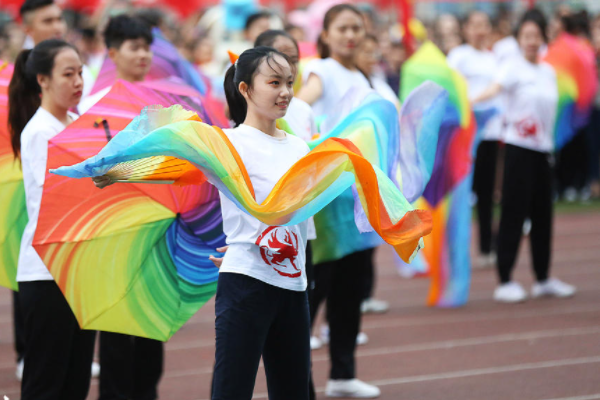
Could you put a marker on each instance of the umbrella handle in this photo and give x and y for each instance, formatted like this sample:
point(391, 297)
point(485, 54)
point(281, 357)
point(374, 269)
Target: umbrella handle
point(105, 126)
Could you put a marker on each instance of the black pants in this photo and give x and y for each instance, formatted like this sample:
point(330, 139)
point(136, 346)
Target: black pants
point(341, 282)
point(58, 356)
point(369, 278)
point(253, 319)
point(130, 367)
point(526, 192)
point(19, 329)
point(484, 181)
point(572, 163)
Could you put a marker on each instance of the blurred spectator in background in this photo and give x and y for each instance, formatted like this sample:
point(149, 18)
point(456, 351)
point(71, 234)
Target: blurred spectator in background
point(479, 67)
point(42, 19)
point(447, 33)
point(573, 160)
point(394, 59)
point(296, 32)
point(594, 126)
point(255, 25)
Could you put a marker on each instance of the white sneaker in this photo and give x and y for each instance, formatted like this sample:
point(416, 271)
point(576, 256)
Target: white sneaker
point(95, 370)
point(511, 292)
point(485, 261)
point(325, 334)
point(552, 288)
point(361, 339)
point(315, 343)
point(19, 371)
point(374, 306)
point(352, 388)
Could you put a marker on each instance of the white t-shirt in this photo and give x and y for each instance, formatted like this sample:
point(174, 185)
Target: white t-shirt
point(273, 254)
point(301, 119)
point(480, 69)
point(336, 81)
point(532, 95)
point(42, 127)
point(505, 49)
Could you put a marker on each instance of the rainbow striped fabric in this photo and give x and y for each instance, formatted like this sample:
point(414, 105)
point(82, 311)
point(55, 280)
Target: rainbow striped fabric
point(13, 213)
point(446, 254)
point(573, 60)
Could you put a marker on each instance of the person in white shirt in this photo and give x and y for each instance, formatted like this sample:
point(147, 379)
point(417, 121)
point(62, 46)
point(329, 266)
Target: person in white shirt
point(368, 57)
point(43, 20)
point(479, 66)
point(131, 366)
point(46, 83)
point(128, 41)
point(532, 93)
point(343, 261)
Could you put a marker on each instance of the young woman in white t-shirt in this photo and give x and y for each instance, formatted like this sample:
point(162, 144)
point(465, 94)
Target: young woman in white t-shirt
point(479, 67)
point(46, 83)
point(531, 90)
point(341, 278)
point(261, 305)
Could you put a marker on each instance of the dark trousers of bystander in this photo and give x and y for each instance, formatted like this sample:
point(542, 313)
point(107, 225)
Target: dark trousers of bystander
point(484, 182)
point(58, 354)
point(130, 367)
point(526, 192)
point(341, 283)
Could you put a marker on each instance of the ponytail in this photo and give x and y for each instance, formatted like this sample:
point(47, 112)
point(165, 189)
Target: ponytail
point(23, 100)
point(24, 91)
point(243, 70)
point(235, 101)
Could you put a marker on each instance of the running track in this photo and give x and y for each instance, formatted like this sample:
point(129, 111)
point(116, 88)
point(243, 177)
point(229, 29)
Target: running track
point(539, 350)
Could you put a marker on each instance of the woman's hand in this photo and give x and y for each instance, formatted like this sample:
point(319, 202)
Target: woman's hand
point(102, 181)
point(218, 261)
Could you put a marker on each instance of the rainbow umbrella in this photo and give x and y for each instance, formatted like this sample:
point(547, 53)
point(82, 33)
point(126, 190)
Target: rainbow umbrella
point(574, 62)
point(130, 258)
point(446, 196)
point(13, 213)
point(166, 62)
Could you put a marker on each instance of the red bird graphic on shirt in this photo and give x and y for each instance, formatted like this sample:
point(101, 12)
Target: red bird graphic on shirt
point(280, 249)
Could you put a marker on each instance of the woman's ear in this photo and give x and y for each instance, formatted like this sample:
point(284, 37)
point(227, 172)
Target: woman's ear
point(243, 88)
point(43, 81)
point(324, 38)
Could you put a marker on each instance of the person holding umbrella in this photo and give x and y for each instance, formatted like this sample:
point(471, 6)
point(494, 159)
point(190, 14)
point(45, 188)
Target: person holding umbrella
point(46, 83)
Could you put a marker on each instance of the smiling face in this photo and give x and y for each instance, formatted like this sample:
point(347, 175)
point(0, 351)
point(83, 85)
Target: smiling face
point(45, 23)
point(132, 59)
point(271, 90)
point(64, 85)
point(344, 34)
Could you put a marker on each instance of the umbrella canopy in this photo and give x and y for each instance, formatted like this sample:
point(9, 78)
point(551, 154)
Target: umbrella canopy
point(13, 213)
point(130, 258)
point(574, 62)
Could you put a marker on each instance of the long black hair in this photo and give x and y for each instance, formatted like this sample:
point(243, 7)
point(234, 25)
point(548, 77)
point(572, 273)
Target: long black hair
point(537, 17)
point(244, 70)
point(24, 90)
